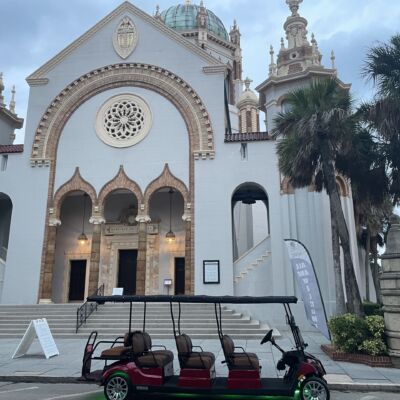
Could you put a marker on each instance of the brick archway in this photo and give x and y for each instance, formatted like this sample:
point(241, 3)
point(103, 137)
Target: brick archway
point(120, 181)
point(150, 77)
point(166, 179)
point(76, 183)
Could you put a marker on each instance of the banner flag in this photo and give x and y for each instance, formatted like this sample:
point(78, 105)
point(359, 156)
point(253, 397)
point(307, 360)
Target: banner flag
point(307, 280)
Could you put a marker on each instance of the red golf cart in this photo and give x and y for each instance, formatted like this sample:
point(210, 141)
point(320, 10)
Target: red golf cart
point(133, 367)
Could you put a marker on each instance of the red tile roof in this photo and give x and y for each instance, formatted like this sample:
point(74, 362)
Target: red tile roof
point(11, 148)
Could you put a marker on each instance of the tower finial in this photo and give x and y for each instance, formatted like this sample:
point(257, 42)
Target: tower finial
point(12, 101)
point(294, 6)
point(157, 14)
point(333, 58)
point(247, 83)
point(1, 90)
point(188, 2)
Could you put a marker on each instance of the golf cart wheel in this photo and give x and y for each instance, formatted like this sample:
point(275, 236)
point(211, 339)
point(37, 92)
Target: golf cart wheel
point(117, 387)
point(314, 388)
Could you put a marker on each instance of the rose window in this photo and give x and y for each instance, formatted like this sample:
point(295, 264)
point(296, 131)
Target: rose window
point(123, 120)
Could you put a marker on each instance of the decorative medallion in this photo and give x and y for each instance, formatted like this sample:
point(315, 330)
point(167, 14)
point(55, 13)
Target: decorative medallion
point(125, 38)
point(123, 120)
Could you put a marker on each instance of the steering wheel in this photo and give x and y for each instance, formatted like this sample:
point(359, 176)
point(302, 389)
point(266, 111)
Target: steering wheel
point(267, 337)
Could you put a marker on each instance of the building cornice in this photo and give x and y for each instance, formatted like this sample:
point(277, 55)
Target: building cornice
point(13, 118)
point(310, 72)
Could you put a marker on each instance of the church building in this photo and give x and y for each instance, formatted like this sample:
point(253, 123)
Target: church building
point(149, 165)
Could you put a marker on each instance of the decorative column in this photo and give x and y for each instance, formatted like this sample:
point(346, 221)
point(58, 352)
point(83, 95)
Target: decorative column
point(96, 220)
point(141, 257)
point(46, 287)
point(390, 288)
point(187, 217)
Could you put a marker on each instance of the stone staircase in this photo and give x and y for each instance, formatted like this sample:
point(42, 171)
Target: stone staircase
point(111, 320)
point(260, 261)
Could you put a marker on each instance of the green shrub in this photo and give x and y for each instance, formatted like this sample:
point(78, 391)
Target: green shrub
point(348, 332)
point(376, 326)
point(354, 335)
point(372, 308)
point(373, 347)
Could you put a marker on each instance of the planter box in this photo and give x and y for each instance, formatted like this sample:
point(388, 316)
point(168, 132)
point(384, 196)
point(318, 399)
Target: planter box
point(372, 361)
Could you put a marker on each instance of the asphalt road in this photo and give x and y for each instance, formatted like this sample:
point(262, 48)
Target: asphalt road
point(31, 391)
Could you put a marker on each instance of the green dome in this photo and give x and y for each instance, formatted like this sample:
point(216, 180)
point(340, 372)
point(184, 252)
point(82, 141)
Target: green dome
point(183, 17)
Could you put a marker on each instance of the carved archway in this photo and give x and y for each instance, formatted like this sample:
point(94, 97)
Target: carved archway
point(166, 179)
point(150, 77)
point(120, 181)
point(286, 186)
point(76, 183)
point(342, 186)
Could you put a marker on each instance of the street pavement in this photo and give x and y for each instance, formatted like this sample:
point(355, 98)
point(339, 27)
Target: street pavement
point(40, 391)
point(65, 368)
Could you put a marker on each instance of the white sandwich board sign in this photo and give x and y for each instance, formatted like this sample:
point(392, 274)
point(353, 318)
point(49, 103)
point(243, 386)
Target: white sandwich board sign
point(39, 328)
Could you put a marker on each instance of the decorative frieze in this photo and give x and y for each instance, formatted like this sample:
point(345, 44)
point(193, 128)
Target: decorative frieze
point(120, 229)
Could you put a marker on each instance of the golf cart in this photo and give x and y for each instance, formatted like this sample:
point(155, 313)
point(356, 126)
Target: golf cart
point(133, 367)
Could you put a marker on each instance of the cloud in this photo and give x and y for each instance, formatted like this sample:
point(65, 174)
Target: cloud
point(34, 31)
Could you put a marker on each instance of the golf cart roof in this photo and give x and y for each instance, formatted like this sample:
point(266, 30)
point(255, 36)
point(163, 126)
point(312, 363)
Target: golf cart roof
point(195, 299)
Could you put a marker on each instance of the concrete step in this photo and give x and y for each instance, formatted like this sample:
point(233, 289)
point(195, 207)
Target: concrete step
point(111, 321)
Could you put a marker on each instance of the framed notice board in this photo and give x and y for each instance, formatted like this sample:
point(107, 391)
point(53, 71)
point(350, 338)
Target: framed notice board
point(211, 273)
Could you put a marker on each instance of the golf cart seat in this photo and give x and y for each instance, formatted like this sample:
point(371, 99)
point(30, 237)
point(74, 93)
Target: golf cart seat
point(118, 352)
point(192, 359)
point(238, 360)
point(144, 356)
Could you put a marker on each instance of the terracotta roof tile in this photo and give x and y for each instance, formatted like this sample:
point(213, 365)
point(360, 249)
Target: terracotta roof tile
point(11, 148)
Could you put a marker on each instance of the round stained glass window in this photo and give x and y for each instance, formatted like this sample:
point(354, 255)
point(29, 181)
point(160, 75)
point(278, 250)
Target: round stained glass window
point(123, 120)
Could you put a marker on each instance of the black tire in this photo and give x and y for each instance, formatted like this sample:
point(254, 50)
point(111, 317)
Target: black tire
point(118, 387)
point(314, 388)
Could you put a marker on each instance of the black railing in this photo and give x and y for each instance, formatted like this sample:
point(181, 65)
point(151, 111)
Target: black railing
point(86, 309)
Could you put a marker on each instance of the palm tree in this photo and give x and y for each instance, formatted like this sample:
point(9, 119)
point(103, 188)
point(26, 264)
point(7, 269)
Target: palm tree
point(316, 127)
point(382, 66)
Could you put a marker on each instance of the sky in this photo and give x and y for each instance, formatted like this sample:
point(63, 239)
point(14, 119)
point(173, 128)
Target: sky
point(33, 31)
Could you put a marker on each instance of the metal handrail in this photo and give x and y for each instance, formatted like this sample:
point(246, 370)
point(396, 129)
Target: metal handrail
point(86, 309)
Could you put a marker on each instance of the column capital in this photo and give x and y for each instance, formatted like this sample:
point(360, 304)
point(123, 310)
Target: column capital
point(97, 220)
point(143, 218)
point(53, 221)
point(187, 217)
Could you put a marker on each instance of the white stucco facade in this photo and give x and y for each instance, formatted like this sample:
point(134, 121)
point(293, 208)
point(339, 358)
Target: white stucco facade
point(190, 86)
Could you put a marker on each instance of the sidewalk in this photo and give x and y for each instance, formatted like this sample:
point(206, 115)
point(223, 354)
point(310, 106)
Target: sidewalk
point(66, 367)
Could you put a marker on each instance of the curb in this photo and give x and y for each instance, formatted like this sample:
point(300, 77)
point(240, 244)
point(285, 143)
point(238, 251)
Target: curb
point(42, 379)
point(351, 387)
point(365, 387)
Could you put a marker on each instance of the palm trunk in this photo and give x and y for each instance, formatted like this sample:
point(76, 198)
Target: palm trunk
point(375, 270)
point(354, 304)
point(340, 303)
point(367, 265)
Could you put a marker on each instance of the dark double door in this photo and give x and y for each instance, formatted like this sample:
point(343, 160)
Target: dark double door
point(127, 271)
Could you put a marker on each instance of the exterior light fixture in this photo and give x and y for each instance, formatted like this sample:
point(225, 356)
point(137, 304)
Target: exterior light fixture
point(170, 236)
point(82, 238)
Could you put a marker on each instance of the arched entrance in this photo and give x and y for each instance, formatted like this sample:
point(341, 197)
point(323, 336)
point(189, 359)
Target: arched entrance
point(166, 250)
point(120, 243)
point(6, 208)
point(73, 244)
point(250, 216)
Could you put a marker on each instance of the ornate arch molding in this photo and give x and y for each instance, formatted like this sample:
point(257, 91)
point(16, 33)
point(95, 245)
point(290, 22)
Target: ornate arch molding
point(342, 186)
point(286, 186)
point(157, 79)
point(166, 179)
point(74, 184)
point(120, 181)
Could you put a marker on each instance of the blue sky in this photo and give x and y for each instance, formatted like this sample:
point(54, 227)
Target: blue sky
point(33, 31)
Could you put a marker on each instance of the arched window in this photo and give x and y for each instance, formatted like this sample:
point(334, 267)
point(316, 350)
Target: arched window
point(5, 224)
point(250, 213)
